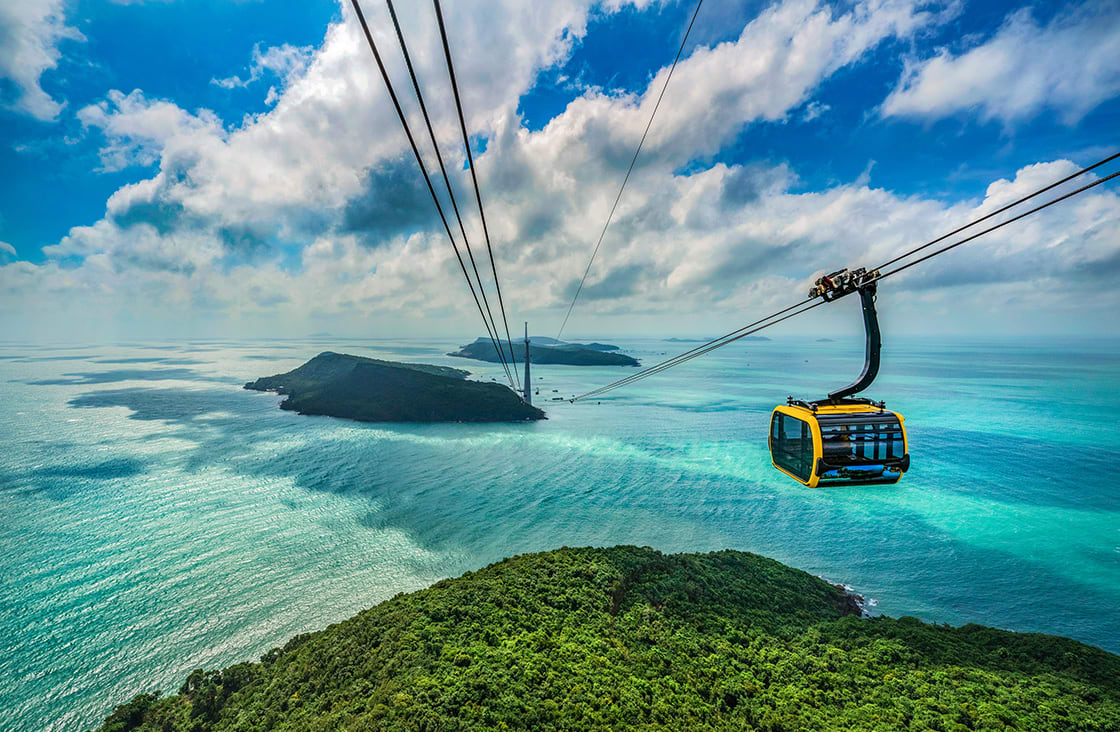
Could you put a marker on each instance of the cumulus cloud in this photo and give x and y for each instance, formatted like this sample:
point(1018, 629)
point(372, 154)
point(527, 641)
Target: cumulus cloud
point(234, 216)
point(30, 33)
point(285, 62)
point(7, 250)
point(1069, 66)
point(573, 165)
point(301, 163)
point(314, 208)
point(771, 69)
point(137, 129)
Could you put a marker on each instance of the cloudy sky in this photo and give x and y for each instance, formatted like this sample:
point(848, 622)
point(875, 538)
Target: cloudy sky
point(190, 168)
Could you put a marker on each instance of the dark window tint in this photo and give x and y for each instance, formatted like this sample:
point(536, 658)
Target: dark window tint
point(791, 445)
point(860, 441)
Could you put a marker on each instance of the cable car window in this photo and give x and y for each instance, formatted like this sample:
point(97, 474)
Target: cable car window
point(858, 441)
point(792, 445)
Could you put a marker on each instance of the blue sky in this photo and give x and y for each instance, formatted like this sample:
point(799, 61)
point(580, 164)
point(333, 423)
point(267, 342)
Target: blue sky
point(170, 50)
point(239, 159)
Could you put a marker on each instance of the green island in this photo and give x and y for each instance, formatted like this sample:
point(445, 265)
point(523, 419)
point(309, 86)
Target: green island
point(628, 638)
point(549, 351)
point(371, 390)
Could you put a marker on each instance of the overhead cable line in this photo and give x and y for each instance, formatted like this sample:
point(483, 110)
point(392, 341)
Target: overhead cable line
point(687, 355)
point(803, 306)
point(1000, 210)
point(450, 192)
point(630, 170)
point(990, 229)
point(427, 178)
point(474, 178)
point(709, 346)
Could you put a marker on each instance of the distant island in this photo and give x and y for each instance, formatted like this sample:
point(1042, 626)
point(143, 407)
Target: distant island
point(629, 638)
point(709, 340)
point(546, 341)
point(371, 390)
point(549, 351)
point(825, 340)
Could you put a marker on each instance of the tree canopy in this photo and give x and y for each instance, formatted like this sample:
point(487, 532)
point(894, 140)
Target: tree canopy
point(627, 638)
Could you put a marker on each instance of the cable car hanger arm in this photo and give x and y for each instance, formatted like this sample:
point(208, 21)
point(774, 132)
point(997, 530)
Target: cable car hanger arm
point(843, 282)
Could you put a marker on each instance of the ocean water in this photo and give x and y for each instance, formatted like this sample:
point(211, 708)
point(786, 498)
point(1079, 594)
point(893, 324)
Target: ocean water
point(156, 518)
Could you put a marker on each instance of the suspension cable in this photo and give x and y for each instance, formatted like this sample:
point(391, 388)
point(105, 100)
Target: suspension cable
point(687, 355)
point(630, 170)
point(1000, 210)
point(474, 178)
point(446, 178)
point(424, 171)
point(709, 346)
point(805, 306)
point(1000, 225)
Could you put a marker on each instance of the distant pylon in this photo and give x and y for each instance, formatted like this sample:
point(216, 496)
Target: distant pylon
point(528, 385)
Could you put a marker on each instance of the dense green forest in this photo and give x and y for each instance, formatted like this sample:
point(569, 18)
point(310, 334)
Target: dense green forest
point(629, 638)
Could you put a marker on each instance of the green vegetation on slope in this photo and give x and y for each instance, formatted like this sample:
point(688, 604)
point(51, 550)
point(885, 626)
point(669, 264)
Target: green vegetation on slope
point(628, 638)
point(370, 390)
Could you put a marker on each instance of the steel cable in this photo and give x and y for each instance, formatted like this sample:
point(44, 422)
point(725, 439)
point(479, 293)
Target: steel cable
point(427, 178)
point(447, 183)
point(630, 170)
point(474, 178)
point(1000, 210)
point(701, 350)
point(990, 229)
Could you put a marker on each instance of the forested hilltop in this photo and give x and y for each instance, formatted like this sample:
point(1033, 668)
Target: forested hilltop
point(629, 638)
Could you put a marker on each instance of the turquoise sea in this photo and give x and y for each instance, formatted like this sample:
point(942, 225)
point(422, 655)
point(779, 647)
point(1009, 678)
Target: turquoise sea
point(156, 518)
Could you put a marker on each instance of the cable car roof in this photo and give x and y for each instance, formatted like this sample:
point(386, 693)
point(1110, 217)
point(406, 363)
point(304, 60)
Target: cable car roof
point(837, 410)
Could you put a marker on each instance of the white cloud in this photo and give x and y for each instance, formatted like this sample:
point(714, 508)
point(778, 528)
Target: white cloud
point(733, 243)
point(30, 33)
point(772, 68)
point(286, 62)
point(314, 209)
point(813, 110)
point(7, 249)
point(333, 122)
point(562, 179)
point(137, 129)
point(1068, 66)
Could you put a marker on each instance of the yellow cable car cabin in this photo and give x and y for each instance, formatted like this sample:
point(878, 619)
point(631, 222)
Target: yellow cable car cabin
point(841, 444)
point(843, 439)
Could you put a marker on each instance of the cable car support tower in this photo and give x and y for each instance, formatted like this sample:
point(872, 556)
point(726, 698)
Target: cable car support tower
point(527, 385)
